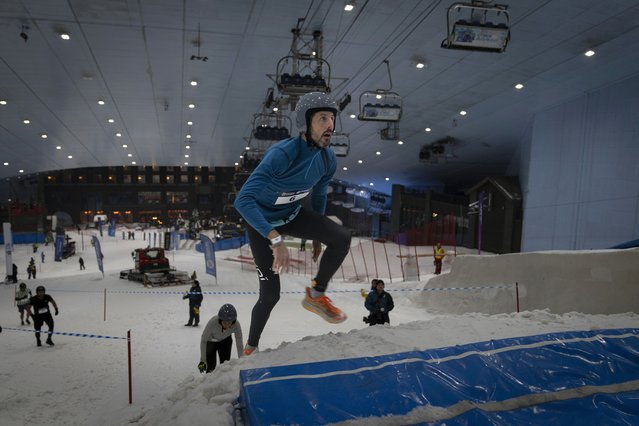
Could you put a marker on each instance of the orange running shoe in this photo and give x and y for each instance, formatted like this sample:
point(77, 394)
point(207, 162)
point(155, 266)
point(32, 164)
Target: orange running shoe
point(248, 349)
point(323, 307)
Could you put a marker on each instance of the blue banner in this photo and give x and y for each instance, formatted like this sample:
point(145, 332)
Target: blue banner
point(112, 227)
point(98, 253)
point(59, 243)
point(209, 255)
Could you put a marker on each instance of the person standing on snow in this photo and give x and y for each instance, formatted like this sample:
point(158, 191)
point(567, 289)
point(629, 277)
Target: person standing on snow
point(38, 307)
point(217, 341)
point(22, 300)
point(195, 301)
point(270, 202)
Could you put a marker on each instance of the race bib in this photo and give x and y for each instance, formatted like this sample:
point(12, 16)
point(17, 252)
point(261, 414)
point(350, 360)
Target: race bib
point(291, 197)
point(43, 310)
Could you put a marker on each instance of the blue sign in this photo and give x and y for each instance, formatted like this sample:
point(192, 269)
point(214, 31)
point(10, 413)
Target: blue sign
point(59, 243)
point(209, 255)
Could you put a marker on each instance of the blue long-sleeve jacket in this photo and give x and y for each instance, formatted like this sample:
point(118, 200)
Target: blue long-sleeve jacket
point(289, 171)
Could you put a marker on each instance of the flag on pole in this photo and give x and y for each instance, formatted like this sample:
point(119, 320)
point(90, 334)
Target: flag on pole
point(98, 253)
point(209, 255)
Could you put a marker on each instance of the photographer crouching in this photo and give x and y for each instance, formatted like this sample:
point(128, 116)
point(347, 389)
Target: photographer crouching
point(379, 303)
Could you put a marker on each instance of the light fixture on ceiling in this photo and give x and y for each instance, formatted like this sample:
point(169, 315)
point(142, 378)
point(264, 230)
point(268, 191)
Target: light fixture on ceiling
point(477, 26)
point(420, 65)
point(193, 82)
point(26, 121)
point(129, 155)
point(100, 101)
point(198, 43)
point(350, 5)
point(427, 129)
point(65, 36)
point(400, 142)
point(58, 147)
point(188, 147)
point(110, 120)
point(462, 112)
point(69, 156)
point(44, 136)
point(191, 106)
point(118, 134)
point(589, 53)
point(3, 102)
point(519, 86)
point(189, 123)
point(24, 34)
point(125, 145)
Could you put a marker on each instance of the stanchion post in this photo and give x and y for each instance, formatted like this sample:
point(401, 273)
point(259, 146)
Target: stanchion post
point(105, 304)
point(128, 340)
point(517, 294)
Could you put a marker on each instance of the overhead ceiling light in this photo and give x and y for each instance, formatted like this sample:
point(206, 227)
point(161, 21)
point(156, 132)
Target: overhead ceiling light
point(350, 5)
point(21, 170)
point(100, 102)
point(189, 123)
point(65, 36)
point(110, 120)
point(125, 145)
point(188, 136)
point(119, 135)
point(462, 112)
point(6, 163)
point(519, 86)
point(378, 153)
point(186, 155)
point(275, 109)
point(360, 161)
point(589, 53)
point(188, 147)
point(371, 183)
point(69, 156)
point(26, 121)
point(3, 102)
point(400, 142)
point(186, 163)
point(420, 65)
point(129, 155)
point(427, 129)
point(191, 106)
point(237, 164)
point(248, 148)
point(352, 116)
point(133, 162)
point(58, 147)
point(44, 136)
point(193, 83)
point(386, 179)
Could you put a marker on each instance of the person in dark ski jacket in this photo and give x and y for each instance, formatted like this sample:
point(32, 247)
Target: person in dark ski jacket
point(217, 341)
point(38, 307)
point(379, 303)
point(195, 301)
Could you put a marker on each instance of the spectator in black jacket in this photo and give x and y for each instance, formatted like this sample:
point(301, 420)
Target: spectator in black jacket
point(195, 301)
point(379, 303)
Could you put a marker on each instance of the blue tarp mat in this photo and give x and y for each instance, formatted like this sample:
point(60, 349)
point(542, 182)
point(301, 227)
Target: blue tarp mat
point(579, 377)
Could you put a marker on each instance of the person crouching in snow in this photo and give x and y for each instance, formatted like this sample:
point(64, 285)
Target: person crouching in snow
point(195, 301)
point(216, 338)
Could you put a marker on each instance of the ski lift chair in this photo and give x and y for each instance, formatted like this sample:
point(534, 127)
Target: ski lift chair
point(341, 144)
point(289, 78)
point(380, 105)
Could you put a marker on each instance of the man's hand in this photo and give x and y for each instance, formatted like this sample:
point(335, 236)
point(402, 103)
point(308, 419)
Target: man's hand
point(280, 259)
point(202, 367)
point(317, 249)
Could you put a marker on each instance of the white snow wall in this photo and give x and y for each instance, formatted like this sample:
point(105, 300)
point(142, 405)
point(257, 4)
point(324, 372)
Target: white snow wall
point(593, 282)
point(581, 176)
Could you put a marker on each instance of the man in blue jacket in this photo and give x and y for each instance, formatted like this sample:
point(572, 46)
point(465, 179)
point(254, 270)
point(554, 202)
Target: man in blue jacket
point(270, 202)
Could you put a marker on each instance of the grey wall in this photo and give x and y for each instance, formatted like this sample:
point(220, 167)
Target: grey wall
point(581, 180)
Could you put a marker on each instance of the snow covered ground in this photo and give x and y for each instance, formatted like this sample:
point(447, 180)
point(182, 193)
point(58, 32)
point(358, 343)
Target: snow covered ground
point(83, 380)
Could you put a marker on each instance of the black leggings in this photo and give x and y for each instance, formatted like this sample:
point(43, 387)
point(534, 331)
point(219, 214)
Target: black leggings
point(38, 320)
point(307, 225)
point(221, 348)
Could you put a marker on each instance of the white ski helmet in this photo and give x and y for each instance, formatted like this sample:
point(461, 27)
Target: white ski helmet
point(311, 103)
